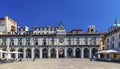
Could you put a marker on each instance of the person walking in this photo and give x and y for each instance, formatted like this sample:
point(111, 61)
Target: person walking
point(91, 58)
point(33, 59)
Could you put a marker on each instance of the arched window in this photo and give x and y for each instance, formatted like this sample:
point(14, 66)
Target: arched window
point(86, 41)
point(77, 40)
point(35, 41)
point(44, 41)
point(11, 42)
point(69, 41)
point(44, 53)
point(52, 41)
point(28, 41)
point(20, 41)
point(69, 52)
point(4, 41)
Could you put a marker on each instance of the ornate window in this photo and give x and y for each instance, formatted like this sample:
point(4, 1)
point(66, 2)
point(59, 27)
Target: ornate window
point(52, 41)
point(11, 41)
point(19, 41)
point(107, 46)
point(113, 38)
point(112, 45)
point(94, 40)
point(86, 41)
point(77, 41)
point(44, 41)
point(36, 41)
point(4, 41)
point(69, 41)
point(28, 41)
point(107, 40)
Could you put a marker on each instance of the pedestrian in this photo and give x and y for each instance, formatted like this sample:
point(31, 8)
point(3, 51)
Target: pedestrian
point(33, 59)
point(94, 58)
point(91, 58)
point(20, 59)
point(0, 61)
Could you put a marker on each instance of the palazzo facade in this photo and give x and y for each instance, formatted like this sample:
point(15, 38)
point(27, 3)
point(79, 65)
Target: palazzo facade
point(52, 42)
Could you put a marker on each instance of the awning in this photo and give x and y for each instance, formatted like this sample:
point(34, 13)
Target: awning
point(108, 52)
point(99, 52)
point(15, 52)
point(112, 51)
point(9, 52)
point(2, 51)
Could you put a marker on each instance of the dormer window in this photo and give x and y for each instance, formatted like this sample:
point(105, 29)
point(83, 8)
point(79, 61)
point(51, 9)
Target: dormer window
point(34, 28)
point(51, 29)
point(107, 40)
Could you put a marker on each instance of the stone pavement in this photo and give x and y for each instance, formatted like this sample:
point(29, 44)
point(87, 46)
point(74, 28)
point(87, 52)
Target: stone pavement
point(60, 64)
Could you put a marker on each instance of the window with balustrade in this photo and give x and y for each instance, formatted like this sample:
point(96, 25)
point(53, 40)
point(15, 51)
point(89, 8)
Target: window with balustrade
point(28, 41)
point(77, 41)
point(4, 41)
point(44, 41)
point(35, 41)
point(52, 41)
point(86, 41)
point(11, 41)
point(94, 41)
point(20, 41)
point(69, 41)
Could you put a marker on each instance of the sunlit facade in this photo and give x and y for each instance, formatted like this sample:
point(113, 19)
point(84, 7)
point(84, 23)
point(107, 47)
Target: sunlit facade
point(53, 42)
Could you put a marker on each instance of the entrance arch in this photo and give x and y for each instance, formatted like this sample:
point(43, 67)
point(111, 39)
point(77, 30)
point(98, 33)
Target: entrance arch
point(52, 53)
point(61, 53)
point(69, 52)
point(12, 54)
point(94, 50)
point(86, 53)
point(77, 53)
point(44, 53)
point(21, 54)
point(28, 53)
point(36, 53)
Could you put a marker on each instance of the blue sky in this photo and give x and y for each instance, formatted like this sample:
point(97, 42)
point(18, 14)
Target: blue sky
point(73, 13)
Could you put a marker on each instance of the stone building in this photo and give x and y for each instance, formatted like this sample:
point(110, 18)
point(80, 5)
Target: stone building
point(7, 26)
point(53, 42)
point(112, 38)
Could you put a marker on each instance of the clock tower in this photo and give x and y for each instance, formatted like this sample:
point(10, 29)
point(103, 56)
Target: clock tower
point(61, 34)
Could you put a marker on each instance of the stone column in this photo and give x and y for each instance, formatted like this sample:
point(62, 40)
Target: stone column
point(74, 52)
point(82, 52)
point(65, 54)
point(98, 54)
point(1, 55)
point(16, 54)
point(90, 52)
point(40, 52)
point(57, 53)
point(48, 52)
point(24, 52)
point(32, 53)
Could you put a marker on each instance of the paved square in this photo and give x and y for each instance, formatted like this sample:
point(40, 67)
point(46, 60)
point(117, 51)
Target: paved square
point(60, 64)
